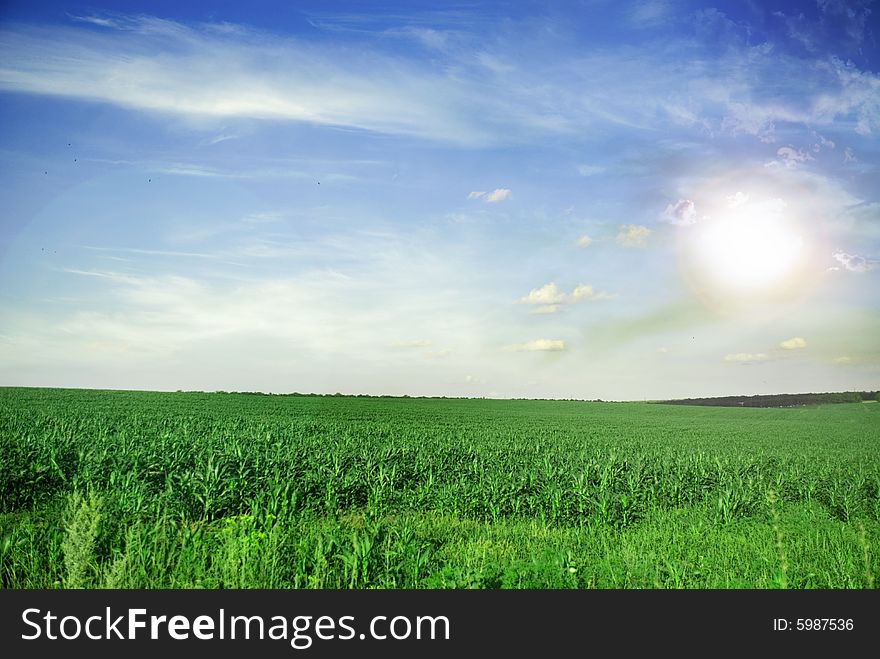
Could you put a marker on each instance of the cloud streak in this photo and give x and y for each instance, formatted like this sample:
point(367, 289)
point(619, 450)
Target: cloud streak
point(476, 97)
point(746, 357)
point(499, 194)
point(538, 345)
point(156, 65)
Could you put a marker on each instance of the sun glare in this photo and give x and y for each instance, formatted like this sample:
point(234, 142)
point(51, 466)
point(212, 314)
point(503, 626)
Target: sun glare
point(745, 254)
point(749, 253)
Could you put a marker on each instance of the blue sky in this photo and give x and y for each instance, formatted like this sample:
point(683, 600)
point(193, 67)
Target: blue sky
point(588, 200)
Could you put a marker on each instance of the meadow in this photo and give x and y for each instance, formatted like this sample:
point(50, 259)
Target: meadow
point(211, 490)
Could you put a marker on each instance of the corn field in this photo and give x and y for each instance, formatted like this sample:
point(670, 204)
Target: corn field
point(193, 490)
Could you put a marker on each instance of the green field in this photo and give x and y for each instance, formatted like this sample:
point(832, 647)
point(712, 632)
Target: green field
point(186, 490)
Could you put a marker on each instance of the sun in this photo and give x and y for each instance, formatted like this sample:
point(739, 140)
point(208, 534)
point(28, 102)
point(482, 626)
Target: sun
point(747, 253)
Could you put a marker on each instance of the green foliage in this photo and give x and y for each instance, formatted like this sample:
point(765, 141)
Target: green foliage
point(78, 546)
point(190, 490)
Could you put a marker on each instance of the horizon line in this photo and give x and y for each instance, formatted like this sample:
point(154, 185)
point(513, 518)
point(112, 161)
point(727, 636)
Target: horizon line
point(424, 396)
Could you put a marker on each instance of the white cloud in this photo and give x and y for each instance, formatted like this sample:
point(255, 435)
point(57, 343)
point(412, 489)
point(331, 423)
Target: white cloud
point(849, 155)
point(681, 213)
point(546, 294)
point(476, 195)
point(746, 357)
point(538, 345)
point(794, 343)
point(790, 157)
point(633, 235)
point(853, 262)
point(584, 241)
point(499, 194)
point(551, 298)
point(586, 292)
point(583, 292)
point(842, 360)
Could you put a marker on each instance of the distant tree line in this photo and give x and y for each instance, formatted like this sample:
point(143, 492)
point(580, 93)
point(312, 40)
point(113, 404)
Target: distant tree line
point(773, 400)
point(780, 400)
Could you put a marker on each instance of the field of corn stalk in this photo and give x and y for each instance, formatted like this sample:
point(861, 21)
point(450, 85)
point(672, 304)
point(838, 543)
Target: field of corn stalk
point(191, 490)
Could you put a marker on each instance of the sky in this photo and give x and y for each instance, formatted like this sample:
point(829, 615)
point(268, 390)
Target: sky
point(625, 201)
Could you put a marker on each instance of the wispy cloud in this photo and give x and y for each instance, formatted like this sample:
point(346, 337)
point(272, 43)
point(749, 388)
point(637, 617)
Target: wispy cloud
point(538, 345)
point(791, 157)
point(590, 170)
point(202, 171)
point(221, 138)
point(101, 21)
point(145, 252)
point(746, 357)
point(262, 218)
point(215, 71)
point(499, 194)
point(200, 71)
point(546, 309)
point(470, 96)
point(584, 241)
